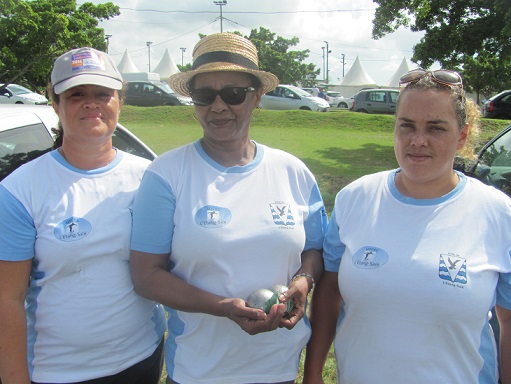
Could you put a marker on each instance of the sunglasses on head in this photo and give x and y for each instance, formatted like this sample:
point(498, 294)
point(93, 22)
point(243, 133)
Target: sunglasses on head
point(440, 76)
point(230, 95)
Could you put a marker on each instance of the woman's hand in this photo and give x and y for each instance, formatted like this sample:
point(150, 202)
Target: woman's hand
point(252, 320)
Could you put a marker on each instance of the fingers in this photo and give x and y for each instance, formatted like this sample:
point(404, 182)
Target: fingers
point(270, 323)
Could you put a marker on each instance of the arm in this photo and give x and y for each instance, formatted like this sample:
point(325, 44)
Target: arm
point(153, 281)
point(14, 278)
point(300, 286)
point(504, 317)
point(325, 307)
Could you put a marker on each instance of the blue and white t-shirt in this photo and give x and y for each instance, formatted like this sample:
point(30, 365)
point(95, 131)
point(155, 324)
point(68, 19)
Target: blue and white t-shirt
point(84, 319)
point(418, 278)
point(229, 231)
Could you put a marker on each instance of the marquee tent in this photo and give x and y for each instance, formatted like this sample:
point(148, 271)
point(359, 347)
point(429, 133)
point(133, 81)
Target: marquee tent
point(166, 67)
point(127, 65)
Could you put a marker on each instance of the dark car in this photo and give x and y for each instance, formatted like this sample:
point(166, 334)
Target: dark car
point(25, 133)
point(152, 93)
point(498, 106)
point(375, 101)
point(493, 167)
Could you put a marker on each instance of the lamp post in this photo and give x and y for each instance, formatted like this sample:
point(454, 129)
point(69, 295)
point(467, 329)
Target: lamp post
point(327, 52)
point(221, 3)
point(323, 48)
point(343, 63)
point(107, 37)
point(182, 52)
point(149, 54)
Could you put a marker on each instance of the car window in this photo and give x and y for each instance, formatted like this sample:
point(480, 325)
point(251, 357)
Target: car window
point(494, 165)
point(123, 141)
point(376, 96)
point(20, 145)
point(393, 96)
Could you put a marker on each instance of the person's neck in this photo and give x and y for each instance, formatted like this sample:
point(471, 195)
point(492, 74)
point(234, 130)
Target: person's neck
point(426, 190)
point(232, 154)
point(88, 157)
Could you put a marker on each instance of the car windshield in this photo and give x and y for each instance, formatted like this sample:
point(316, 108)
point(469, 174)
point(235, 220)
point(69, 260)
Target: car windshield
point(299, 91)
point(164, 86)
point(18, 89)
point(495, 164)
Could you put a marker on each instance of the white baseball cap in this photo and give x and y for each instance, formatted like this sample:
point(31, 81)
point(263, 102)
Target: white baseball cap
point(84, 66)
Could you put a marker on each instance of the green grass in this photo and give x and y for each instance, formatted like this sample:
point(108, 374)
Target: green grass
point(338, 147)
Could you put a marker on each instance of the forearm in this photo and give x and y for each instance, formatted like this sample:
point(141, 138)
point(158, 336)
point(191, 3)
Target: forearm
point(325, 307)
point(13, 343)
point(504, 317)
point(312, 264)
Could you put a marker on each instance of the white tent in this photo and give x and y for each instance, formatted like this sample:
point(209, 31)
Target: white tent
point(166, 67)
point(394, 80)
point(357, 76)
point(127, 65)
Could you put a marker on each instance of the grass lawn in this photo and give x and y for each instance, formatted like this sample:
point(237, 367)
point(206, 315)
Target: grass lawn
point(338, 147)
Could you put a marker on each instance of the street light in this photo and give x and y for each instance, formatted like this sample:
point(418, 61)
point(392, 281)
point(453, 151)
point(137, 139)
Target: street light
point(327, 52)
point(107, 37)
point(221, 3)
point(343, 63)
point(149, 53)
point(182, 52)
point(323, 48)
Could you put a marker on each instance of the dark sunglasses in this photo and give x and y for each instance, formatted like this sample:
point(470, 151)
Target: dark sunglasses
point(230, 95)
point(440, 76)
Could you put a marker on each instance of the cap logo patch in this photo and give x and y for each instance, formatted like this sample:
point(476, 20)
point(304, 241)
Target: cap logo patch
point(86, 60)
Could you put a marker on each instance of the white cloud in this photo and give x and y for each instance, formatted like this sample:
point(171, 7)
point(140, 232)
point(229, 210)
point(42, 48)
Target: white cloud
point(345, 24)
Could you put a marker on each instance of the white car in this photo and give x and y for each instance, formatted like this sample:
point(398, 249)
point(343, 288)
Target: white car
point(25, 133)
point(17, 94)
point(291, 97)
point(335, 99)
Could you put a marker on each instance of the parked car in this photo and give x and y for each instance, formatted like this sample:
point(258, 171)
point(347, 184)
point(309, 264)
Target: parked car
point(291, 97)
point(498, 106)
point(335, 99)
point(17, 94)
point(375, 101)
point(25, 133)
point(153, 93)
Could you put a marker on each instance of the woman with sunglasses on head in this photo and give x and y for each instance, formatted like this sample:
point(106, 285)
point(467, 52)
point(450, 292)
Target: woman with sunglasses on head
point(68, 310)
point(222, 217)
point(416, 257)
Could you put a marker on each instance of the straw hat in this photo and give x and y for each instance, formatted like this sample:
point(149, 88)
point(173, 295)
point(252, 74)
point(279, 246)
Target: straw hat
point(223, 52)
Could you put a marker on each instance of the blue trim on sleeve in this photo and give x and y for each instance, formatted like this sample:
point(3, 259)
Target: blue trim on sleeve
point(153, 215)
point(504, 290)
point(333, 248)
point(17, 229)
point(317, 221)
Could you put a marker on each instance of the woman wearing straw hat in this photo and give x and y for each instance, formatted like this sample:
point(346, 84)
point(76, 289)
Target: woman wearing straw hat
point(68, 311)
point(222, 217)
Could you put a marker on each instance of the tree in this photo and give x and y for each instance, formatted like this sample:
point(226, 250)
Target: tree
point(33, 33)
point(465, 34)
point(275, 57)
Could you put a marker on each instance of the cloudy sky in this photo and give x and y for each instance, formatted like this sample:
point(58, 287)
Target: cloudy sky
point(345, 24)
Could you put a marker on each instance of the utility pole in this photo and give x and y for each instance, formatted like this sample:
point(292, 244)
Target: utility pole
point(343, 63)
point(221, 3)
point(323, 48)
point(327, 52)
point(149, 54)
point(182, 52)
point(107, 37)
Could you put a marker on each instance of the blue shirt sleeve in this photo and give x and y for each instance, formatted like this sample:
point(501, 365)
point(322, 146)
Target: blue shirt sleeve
point(316, 223)
point(333, 248)
point(153, 215)
point(17, 229)
point(504, 290)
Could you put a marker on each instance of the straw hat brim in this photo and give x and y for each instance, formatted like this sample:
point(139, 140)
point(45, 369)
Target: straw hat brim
point(179, 81)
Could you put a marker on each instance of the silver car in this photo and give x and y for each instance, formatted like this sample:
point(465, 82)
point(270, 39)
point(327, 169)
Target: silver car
point(291, 97)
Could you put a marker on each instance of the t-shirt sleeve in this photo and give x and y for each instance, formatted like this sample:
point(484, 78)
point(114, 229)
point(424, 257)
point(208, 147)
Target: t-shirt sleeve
point(333, 248)
point(316, 223)
point(153, 215)
point(17, 229)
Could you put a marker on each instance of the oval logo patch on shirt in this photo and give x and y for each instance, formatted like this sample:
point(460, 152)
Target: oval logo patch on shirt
point(72, 229)
point(211, 216)
point(370, 258)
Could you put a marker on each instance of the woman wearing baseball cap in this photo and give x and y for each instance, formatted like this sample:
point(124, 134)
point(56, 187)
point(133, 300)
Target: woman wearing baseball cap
point(64, 246)
point(222, 217)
